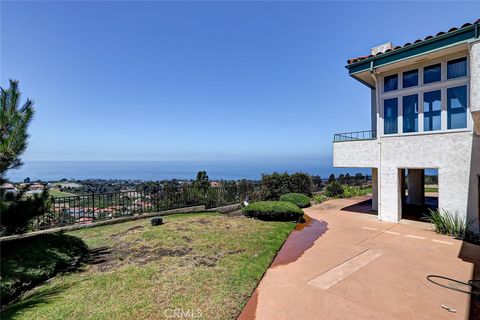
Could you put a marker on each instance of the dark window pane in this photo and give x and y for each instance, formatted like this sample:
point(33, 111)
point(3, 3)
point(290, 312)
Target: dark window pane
point(432, 73)
point(410, 113)
point(410, 78)
point(390, 83)
point(457, 68)
point(390, 113)
point(457, 107)
point(432, 110)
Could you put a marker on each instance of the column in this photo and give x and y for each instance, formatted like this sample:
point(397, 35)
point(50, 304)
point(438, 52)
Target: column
point(375, 189)
point(416, 186)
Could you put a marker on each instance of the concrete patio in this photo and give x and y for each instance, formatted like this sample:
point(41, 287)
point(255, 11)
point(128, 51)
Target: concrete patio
point(362, 268)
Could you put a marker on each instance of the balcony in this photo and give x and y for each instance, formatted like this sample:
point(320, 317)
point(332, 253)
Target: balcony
point(356, 150)
point(354, 136)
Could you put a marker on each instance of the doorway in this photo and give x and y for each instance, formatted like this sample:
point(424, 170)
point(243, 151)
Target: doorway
point(418, 192)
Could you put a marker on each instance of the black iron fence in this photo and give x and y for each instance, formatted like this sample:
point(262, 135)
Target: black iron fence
point(88, 208)
point(358, 135)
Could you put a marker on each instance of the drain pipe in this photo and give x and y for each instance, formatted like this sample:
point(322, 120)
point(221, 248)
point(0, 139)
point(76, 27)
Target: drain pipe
point(373, 74)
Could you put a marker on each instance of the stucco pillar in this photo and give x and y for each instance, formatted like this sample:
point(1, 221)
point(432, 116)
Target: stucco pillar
point(475, 84)
point(374, 189)
point(416, 186)
point(390, 201)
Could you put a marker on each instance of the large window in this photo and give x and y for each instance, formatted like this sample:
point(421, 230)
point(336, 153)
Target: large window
point(432, 110)
point(432, 73)
point(410, 79)
point(390, 111)
point(390, 83)
point(457, 68)
point(426, 97)
point(410, 113)
point(457, 107)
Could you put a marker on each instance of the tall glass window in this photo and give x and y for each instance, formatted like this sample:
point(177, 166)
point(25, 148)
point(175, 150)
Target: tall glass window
point(410, 113)
point(457, 68)
point(457, 107)
point(432, 73)
point(390, 113)
point(410, 78)
point(432, 110)
point(390, 83)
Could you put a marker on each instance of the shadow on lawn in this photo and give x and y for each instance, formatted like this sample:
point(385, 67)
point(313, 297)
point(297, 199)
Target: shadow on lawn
point(28, 262)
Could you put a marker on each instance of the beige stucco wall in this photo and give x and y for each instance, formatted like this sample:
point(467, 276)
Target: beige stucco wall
point(356, 154)
point(450, 152)
point(475, 83)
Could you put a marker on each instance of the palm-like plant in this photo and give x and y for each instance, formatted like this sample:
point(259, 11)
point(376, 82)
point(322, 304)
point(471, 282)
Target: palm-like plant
point(14, 121)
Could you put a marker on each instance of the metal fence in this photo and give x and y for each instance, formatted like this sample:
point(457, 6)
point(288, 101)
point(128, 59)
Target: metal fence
point(88, 208)
point(358, 135)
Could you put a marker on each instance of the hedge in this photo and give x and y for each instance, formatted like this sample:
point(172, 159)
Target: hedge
point(299, 199)
point(273, 211)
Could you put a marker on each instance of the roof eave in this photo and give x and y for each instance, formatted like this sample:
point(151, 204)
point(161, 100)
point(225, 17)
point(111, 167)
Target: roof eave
point(423, 47)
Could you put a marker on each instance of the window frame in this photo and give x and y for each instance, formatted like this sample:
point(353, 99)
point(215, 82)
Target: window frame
point(420, 89)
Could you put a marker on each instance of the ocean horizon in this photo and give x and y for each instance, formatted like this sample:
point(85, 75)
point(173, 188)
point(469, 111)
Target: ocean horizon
point(166, 170)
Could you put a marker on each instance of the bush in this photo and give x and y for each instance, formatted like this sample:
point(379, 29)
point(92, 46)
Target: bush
point(334, 190)
point(300, 183)
point(273, 211)
point(17, 211)
point(447, 223)
point(319, 198)
point(299, 199)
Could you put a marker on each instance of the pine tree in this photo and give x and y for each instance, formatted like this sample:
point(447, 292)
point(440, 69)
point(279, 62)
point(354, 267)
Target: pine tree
point(14, 121)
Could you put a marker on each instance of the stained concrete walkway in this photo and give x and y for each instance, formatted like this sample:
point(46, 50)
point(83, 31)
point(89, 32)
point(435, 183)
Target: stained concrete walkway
point(362, 268)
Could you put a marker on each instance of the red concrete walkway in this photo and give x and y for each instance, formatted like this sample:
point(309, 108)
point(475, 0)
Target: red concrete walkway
point(362, 268)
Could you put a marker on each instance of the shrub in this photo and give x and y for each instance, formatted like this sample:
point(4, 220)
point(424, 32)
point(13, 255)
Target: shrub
point(299, 199)
point(273, 211)
point(447, 223)
point(319, 198)
point(349, 191)
point(334, 190)
point(300, 183)
point(274, 185)
point(17, 211)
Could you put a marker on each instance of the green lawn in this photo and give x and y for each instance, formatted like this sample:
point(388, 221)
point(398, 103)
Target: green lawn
point(57, 193)
point(206, 264)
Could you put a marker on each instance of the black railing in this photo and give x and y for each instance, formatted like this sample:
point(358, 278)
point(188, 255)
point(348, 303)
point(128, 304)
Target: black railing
point(353, 136)
point(88, 208)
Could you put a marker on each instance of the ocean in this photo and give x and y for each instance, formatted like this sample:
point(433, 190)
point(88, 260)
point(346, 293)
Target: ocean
point(162, 170)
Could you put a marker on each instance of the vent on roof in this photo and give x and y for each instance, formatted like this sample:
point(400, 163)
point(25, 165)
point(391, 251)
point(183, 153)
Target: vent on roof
point(382, 48)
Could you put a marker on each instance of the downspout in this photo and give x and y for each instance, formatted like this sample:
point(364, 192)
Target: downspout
point(377, 107)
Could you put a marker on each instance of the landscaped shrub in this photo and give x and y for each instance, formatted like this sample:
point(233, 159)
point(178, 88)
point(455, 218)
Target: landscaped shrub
point(299, 199)
point(28, 262)
point(349, 191)
point(334, 190)
point(273, 211)
point(319, 198)
point(275, 184)
point(448, 223)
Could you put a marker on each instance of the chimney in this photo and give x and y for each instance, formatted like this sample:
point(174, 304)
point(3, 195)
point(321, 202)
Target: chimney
point(381, 48)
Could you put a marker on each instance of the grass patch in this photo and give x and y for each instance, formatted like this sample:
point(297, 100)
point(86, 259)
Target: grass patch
point(57, 193)
point(204, 262)
point(28, 262)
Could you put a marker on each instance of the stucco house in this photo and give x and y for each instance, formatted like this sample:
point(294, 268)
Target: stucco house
point(425, 114)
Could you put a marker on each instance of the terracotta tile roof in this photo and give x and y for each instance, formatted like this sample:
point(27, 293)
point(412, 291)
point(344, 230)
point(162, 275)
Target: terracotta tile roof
point(357, 59)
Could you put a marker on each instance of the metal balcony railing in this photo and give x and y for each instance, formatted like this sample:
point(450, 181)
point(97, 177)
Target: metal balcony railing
point(353, 136)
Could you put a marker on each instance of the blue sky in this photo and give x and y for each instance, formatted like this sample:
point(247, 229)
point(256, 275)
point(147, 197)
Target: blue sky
point(200, 80)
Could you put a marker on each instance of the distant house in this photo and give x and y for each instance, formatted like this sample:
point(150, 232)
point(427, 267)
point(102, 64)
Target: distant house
point(36, 186)
point(425, 114)
point(9, 188)
point(215, 184)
